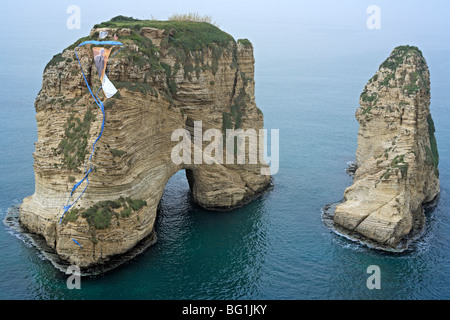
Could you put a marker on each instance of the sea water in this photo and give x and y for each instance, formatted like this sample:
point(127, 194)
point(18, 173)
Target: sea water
point(277, 246)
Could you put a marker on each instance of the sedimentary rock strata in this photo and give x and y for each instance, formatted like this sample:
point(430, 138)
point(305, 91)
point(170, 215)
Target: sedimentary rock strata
point(169, 76)
point(397, 157)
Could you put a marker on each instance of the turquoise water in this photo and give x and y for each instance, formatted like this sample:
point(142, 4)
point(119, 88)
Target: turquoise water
point(275, 247)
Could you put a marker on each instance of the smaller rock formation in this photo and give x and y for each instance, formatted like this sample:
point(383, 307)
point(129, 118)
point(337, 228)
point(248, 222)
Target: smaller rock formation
point(397, 158)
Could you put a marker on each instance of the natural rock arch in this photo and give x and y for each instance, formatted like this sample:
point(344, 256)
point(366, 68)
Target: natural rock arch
point(157, 94)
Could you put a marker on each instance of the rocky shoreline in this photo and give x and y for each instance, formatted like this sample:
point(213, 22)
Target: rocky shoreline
point(12, 221)
point(37, 241)
point(327, 215)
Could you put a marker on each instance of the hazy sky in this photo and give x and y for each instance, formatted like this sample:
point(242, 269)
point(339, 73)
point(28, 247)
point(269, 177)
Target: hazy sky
point(253, 19)
point(304, 29)
point(292, 39)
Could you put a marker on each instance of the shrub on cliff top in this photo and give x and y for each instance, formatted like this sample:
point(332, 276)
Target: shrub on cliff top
point(397, 56)
point(57, 58)
point(189, 35)
point(417, 79)
point(193, 17)
point(123, 18)
point(245, 42)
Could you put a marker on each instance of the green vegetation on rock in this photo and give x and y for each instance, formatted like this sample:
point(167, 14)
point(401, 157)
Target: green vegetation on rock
point(57, 58)
point(366, 98)
point(387, 174)
point(188, 38)
point(398, 55)
point(71, 216)
point(142, 87)
point(432, 153)
point(399, 163)
point(245, 42)
point(367, 110)
point(386, 80)
point(99, 215)
point(416, 79)
point(413, 87)
point(193, 17)
point(171, 84)
point(189, 35)
point(117, 153)
point(73, 145)
point(233, 119)
point(187, 41)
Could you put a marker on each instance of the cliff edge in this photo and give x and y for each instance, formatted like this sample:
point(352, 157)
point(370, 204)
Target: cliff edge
point(169, 75)
point(396, 158)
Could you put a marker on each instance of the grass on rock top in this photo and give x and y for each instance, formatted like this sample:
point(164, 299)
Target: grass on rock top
point(192, 36)
point(397, 57)
point(186, 41)
point(417, 79)
point(245, 42)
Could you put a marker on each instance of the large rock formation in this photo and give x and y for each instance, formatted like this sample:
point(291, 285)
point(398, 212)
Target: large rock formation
point(169, 75)
point(397, 158)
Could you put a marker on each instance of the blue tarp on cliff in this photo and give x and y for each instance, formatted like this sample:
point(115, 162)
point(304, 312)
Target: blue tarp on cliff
point(101, 56)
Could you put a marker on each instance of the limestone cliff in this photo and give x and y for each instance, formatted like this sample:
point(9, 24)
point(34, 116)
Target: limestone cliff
point(169, 75)
point(397, 159)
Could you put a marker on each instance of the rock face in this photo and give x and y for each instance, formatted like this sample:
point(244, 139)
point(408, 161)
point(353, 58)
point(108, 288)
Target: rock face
point(169, 75)
point(396, 157)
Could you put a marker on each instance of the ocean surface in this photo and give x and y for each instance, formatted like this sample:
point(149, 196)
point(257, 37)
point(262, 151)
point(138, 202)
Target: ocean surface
point(276, 247)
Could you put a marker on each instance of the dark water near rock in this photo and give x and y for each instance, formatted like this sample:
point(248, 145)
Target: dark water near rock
point(276, 247)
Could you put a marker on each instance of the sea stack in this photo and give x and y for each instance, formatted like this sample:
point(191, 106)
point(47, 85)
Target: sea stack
point(170, 76)
point(396, 157)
